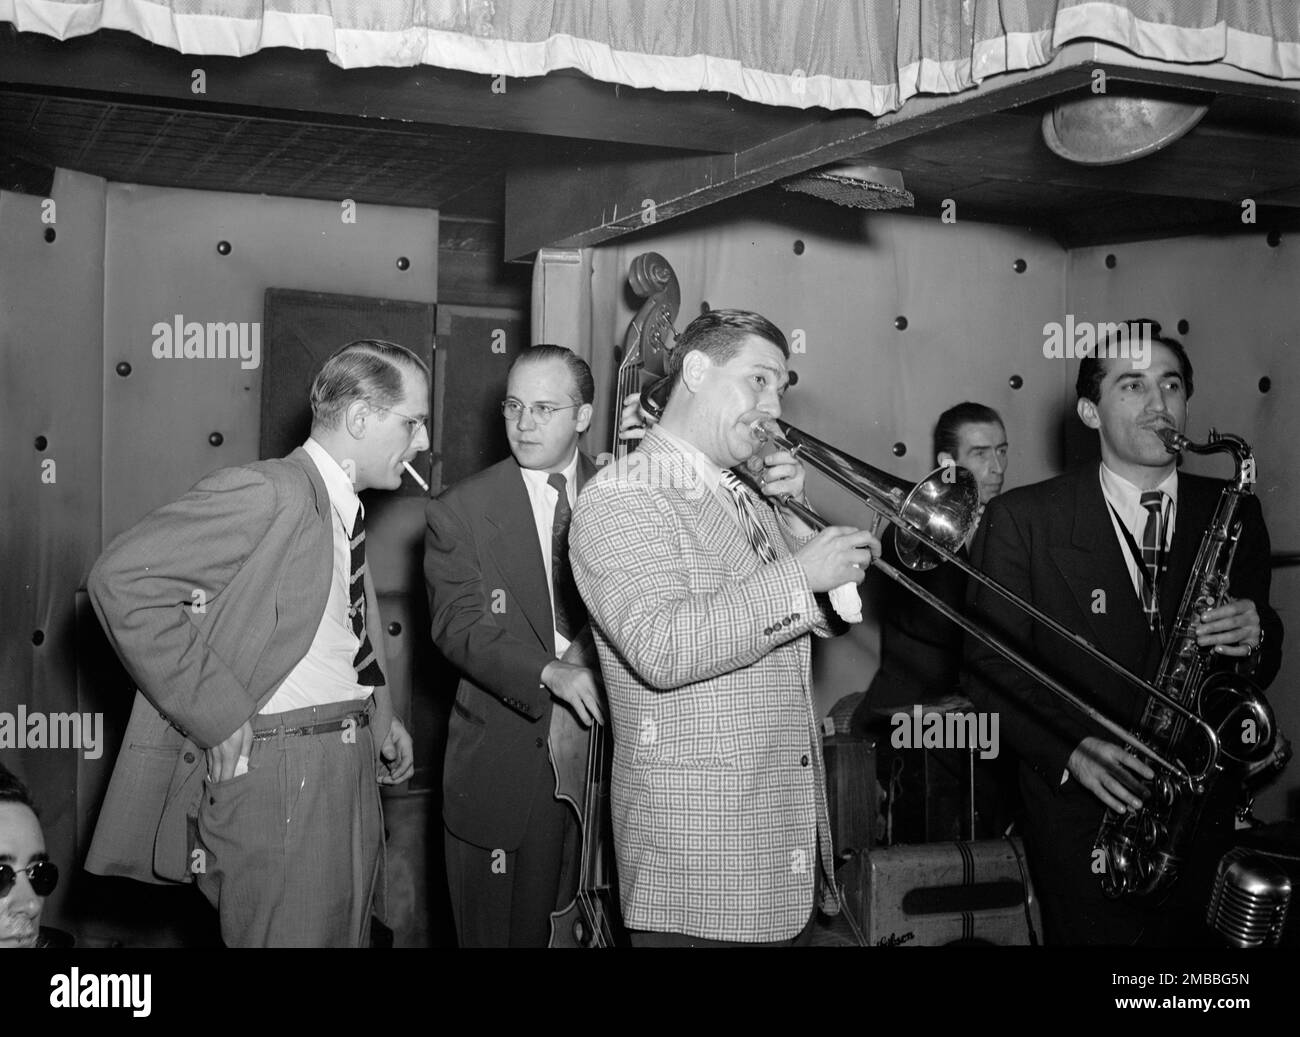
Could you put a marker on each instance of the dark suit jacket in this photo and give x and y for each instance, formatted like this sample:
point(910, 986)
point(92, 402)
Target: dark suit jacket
point(257, 540)
point(492, 619)
point(920, 649)
point(1053, 544)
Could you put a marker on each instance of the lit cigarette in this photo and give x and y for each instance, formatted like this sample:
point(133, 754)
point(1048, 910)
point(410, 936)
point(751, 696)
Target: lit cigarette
point(416, 476)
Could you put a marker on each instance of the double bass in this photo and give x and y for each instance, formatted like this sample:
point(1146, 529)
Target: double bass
point(581, 756)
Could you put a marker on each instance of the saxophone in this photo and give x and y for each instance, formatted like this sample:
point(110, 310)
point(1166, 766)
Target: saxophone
point(1143, 850)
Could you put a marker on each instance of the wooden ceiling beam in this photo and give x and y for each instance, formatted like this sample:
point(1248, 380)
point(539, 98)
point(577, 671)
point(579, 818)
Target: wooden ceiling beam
point(304, 85)
point(560, 204)
point(563, 205)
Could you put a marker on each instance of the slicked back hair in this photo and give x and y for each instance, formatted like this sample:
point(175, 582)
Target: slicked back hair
point(578, 368)
point(366, 369)
point(1092, 369)
point(719, 333)
point(952, 420)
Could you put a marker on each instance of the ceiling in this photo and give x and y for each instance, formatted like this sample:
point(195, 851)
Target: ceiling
point(461, 171)
point(289, 123)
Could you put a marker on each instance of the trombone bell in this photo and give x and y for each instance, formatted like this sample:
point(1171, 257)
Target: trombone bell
point(943, 507)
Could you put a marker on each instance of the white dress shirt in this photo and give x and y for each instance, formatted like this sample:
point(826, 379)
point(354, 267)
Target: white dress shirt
point(542, 496)
point(1126, 500)
point(326, 673)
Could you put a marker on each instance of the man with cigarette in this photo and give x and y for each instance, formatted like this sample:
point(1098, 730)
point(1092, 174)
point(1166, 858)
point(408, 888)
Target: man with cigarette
point(507, 614)
point(246, 615)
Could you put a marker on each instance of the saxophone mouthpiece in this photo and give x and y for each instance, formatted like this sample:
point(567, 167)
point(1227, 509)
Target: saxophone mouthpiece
point(1173, 440)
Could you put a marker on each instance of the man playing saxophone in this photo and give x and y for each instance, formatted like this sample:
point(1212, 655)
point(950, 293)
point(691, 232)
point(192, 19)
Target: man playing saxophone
point(1107, 550)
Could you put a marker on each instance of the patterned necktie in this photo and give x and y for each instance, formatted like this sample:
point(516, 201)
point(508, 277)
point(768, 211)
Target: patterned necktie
point(748, 519)
point(367, 666)
point(570, 614)
point(1153, 540)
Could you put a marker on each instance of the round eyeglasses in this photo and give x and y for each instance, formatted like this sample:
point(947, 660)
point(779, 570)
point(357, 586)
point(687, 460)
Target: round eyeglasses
point(541, 412)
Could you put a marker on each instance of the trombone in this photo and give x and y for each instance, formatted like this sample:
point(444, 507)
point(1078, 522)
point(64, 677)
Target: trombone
point(930, 521)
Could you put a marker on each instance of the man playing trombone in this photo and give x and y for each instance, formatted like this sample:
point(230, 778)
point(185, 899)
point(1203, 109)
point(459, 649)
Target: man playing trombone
point(702, 603)
point(1107, 550)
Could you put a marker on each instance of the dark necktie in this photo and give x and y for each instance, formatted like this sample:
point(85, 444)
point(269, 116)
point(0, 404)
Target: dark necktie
point(367, 666)
point(1153, 540)
point(570, 613)
point(748, 519)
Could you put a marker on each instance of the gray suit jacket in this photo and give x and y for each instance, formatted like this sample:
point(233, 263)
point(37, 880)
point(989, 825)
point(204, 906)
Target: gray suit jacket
point(257, 542)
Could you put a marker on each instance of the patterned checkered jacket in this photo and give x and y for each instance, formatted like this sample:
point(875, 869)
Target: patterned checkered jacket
point(719, 795)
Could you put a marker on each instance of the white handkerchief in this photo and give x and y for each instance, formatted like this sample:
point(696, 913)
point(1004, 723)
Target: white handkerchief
point(847, 603)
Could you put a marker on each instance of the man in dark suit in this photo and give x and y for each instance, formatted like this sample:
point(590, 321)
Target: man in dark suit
point(506, 613)
point(921, 650)
point(1107, 550)
point(244, 611)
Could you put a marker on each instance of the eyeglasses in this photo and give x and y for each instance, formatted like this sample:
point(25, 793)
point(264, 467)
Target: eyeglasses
point(541, 412)
point(43, 876)
point(412, 424)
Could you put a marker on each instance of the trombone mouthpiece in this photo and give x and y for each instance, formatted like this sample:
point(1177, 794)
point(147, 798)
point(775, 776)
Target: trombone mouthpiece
point(764, 430)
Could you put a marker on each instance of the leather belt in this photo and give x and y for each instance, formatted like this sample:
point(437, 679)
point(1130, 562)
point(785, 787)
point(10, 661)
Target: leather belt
point(354, 720)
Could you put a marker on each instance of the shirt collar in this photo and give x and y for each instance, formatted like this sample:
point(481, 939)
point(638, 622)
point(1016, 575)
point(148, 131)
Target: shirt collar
point(709, 472)
point(343, 495)
point(538, 478)
point(1128, 495)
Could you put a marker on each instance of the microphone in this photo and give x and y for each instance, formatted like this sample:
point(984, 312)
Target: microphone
point(1249, 904)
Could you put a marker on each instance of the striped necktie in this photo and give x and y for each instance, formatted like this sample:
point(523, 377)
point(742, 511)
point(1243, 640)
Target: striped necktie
point(758, 539)
point(1153, 540)
point(570, 614)
point(367, 666)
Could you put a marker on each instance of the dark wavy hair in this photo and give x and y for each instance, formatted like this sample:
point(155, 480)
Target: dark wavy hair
point(12, 790)
point(1092, 369)
point(718, 334)
point(951, 421)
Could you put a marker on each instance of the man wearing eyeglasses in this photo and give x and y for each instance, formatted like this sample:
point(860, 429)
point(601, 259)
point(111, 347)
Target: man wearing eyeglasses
point(247, 616)
point(506, 613)
point(27, 875)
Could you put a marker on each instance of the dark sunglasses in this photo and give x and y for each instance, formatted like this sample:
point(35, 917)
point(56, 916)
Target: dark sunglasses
point(43, 875)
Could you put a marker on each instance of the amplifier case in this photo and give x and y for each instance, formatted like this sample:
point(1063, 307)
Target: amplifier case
point(935, 894)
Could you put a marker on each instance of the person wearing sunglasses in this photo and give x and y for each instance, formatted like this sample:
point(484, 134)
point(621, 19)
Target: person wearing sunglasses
point(27, 875)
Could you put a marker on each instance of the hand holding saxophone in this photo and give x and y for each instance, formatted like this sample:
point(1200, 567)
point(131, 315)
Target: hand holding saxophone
point(1110, 772)
point(1232, 629)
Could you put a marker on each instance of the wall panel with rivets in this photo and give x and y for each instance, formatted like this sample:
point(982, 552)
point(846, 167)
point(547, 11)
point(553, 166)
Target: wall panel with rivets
point(206, 256)
point(51, 310)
